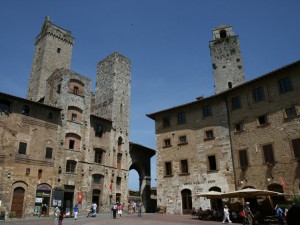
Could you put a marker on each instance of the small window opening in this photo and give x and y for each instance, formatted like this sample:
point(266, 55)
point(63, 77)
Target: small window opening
point(223, 34)
point(58, 50)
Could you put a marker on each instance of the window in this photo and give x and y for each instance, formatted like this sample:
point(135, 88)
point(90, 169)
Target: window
point(262, 120)
point(25, 110)
point(168, 169)
point(212, 164)
point(48, 153)
point(100, 129)
point(58, 89)
point(206, 111)
point(4, 106)
point(27, 172)
point(118, 182)
point(184, 166)
point(223, 34)
point(243, 158)
point(119, 160)
point(258, 94)
point(229, 85)
point(166, 122)
point(236, 102)
point(167, 143)
point(181, 118)
point(239, 127)
point(296, 147)
point(70, 166)
point(209, 134)
point(291, 112)
point(285, 85)
point(75, 90)
point(40, 173)
point(182, 140)
point(71, 144)
point(96, 178)
point(268, 153)
point(22, 148)
point(73, 117)
point(98, 156)
point(58, 50)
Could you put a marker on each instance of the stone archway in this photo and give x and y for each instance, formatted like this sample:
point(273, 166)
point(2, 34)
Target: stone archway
point(140, 161)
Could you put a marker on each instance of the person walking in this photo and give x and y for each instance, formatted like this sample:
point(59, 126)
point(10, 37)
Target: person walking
point(56, 215)
point(114, 210)
point(75, 211)
point(248, 219)
point(139, 207)
point(226, 214)
point(60, 217)
point(120, 211)
point(279, 214)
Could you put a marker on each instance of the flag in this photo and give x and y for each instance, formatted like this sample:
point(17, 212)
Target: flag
point(110, 187)
point(283, 183)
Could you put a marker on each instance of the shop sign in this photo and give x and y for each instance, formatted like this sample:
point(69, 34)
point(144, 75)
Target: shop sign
point(38, 200)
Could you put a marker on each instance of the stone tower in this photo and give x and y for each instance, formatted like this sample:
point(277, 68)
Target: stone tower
point(53, 50)
point(112, 102)
point(226, 59)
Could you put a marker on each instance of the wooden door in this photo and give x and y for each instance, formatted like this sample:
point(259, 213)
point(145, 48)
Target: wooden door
point(18, 201)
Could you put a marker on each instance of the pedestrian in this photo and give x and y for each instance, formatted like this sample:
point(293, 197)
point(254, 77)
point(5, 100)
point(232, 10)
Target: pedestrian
point(76, 210)
point(226, 214)
point(61, 217)
point(248, 219)
point(56, 214)
point(94, 209)
point(139, 206)
point(114, 210)
point(119, 211)
point(133, 206)
point(279, 214)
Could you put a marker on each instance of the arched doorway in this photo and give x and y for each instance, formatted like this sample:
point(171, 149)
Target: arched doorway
point(42, 199)
point(216, 203)
point(96, 198)
point(140, 161)
point(18, 201)
point(186, 198)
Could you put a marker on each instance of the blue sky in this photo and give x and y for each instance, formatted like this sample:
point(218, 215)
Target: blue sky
point(166, 41)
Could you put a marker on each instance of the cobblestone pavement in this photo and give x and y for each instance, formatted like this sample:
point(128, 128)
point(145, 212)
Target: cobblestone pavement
point(106, 219)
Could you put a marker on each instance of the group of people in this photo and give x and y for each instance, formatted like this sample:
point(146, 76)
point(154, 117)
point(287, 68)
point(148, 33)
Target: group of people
point(118, 209)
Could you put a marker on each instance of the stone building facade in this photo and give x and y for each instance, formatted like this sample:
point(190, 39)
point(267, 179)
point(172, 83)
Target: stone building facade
point(63, 144)
point(246, 135)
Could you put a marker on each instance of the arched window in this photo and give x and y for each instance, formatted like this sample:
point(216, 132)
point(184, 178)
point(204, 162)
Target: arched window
point(74, 114)
point(72, 141)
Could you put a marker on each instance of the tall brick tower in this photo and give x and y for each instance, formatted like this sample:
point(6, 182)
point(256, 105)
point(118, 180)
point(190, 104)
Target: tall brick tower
point(112, 101)
point(226, 59)
point(53, 50)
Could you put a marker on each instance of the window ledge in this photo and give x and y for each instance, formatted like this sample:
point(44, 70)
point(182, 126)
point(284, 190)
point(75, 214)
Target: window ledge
point(184, 174)
point(212, 171)
point(290, 118)
point(166, 176)
point(263, 125)
point(238, 132)
point(185, 143)
point(208, 139)
point(167, 146)
point(71, 121)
